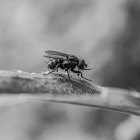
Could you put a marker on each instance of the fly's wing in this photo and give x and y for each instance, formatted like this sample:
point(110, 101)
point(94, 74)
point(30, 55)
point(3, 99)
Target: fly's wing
point(60, 54)
point(54, 57)
point(56, 53)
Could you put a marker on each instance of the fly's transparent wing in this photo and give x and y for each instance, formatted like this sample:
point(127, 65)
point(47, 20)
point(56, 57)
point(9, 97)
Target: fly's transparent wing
point(55, 57)
point(56, 53)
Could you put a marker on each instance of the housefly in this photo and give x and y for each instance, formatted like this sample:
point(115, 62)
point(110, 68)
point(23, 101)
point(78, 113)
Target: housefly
point(67, 62)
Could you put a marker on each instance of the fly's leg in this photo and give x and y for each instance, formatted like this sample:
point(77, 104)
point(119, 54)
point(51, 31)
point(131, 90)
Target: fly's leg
point(80, 73)
point(56, 68)
point(88, 69)
point(84, 77)
point(68, 72)
point(76, 71)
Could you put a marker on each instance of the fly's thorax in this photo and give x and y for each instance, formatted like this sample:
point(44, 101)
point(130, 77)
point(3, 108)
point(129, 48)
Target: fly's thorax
point(72, 58)
point(66, 64)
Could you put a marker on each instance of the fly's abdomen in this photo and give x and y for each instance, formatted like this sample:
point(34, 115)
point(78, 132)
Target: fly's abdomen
point(52, 64)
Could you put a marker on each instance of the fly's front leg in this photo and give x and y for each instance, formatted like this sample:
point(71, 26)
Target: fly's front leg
point(68, 71)
point(88, 69)
point(80, 73)
point(76, 71)
point(68, 74)
point(84, 77)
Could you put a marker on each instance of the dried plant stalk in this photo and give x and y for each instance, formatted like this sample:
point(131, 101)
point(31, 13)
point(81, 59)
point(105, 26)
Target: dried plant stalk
point(18, 87)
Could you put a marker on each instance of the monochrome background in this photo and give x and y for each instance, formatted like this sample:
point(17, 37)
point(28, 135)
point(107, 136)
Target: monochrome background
point(105, 33)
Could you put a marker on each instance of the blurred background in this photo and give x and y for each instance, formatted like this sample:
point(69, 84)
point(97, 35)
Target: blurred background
point(105, 33)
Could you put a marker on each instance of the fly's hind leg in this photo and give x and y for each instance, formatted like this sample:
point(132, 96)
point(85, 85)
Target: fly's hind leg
point(76, 71)
point(56, 68)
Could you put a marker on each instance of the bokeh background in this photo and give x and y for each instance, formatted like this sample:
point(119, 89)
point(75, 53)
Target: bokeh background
point(105, 33)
